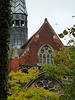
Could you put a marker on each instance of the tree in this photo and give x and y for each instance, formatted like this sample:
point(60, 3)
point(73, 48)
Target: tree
point(64, 68)
point(64, 71)
point(5, 20)
point(71, 33)
point(19, 90)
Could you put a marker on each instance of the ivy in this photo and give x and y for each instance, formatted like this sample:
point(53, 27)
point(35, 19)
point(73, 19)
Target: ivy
point(5, 21)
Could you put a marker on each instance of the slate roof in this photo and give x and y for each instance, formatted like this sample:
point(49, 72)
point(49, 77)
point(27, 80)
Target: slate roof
point(19, 6)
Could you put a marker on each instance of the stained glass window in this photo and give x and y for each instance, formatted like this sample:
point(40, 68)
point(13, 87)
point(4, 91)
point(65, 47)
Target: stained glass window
point(45, 55)
point(48, 58)
point(46, 47)
point(44, 59)
point(40, 58)
point(45, 82)
point(39, 84)
point(51, 85)
point(51, 59)
point(42, 50)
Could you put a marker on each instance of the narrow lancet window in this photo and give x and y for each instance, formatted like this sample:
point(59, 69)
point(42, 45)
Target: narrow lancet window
point(48, 58)
point(44, 59)
point(40, 58)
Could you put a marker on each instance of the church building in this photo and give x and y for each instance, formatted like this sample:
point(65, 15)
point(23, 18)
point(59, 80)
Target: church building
point(26, 53)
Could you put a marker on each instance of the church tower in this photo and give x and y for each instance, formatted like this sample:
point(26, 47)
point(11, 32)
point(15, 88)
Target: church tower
point(18, 30)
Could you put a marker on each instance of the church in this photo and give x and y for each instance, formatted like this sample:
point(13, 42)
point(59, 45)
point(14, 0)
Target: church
point(31, 52)
point(27, 53)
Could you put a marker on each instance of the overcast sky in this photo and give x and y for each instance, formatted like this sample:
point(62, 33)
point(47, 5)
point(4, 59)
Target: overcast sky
point(58, 12)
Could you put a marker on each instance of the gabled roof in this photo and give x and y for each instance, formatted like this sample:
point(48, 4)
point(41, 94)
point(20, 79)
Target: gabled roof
point(29, 41)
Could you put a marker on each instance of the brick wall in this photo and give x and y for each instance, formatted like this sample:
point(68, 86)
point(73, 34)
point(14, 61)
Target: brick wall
point(45, 36)
point(14, 64)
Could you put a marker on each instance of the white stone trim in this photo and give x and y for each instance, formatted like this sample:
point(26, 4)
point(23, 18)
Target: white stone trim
point(46, 52)
point(55, 37)
point(25, 51)
point(43, 46)
point(37, 36)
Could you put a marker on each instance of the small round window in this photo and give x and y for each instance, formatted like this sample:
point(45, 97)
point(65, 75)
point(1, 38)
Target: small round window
point(39, 84)
point(42, 50)
point(51, 85)
point(46, 47)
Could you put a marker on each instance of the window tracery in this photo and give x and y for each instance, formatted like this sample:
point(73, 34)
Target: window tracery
point(46, 84)
point(45, 55)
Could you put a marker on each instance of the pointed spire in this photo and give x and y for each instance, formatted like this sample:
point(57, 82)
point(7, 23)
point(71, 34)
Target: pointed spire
point(19, 6)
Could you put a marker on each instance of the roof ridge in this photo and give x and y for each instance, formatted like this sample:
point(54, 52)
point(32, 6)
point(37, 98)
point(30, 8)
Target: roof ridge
point(54, 32)
point(32, 37)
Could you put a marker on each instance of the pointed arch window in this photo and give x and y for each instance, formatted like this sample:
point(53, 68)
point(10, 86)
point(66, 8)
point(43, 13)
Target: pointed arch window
point(45, 55)
point(40, 58)
point(51, 59)
point(48, 58)
point(44, 58)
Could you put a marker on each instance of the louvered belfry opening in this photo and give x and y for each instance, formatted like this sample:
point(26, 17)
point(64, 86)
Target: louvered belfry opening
point(18, 29)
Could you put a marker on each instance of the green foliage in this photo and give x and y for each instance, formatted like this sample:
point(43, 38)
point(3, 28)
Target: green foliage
point(65, 32)
point(19, 90)
point(64, 67)
point(36, 94)
point(18, 79)
point(61, 35)
point(22, 77)
point(71, 33)
point(5, 21)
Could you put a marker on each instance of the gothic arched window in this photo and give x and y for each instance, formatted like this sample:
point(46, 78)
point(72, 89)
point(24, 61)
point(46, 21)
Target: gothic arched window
point(44, 58)
point(48, 58)
point(45, 55)
point(40, 58)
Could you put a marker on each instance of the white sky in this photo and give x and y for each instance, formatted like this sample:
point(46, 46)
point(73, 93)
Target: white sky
point(58, 12)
